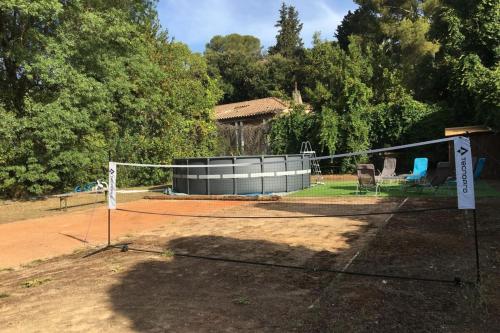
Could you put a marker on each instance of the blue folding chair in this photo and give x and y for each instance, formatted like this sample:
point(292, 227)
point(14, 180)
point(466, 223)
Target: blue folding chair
point(479, 167)
point(419, 169)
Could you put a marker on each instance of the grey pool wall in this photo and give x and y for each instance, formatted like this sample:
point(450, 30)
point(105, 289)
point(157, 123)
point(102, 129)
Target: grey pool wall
point(266, 174)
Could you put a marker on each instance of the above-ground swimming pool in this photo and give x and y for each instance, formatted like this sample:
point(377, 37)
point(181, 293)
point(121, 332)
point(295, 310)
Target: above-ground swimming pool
point(266, 174)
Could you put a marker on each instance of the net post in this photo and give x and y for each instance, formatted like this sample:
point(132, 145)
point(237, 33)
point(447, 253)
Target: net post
point(109, 210)
point(476, 246)
point(112, 168)
point(109, 227)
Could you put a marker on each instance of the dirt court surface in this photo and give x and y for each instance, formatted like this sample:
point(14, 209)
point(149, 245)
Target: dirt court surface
point(34, 239)
point(132, 291)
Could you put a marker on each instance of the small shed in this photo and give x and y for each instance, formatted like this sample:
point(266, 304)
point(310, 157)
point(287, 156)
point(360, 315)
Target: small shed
point(244, 126)
point(484, 143)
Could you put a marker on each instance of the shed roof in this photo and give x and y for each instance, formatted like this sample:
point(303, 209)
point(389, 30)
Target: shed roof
point(453, 131)
point(269, 105)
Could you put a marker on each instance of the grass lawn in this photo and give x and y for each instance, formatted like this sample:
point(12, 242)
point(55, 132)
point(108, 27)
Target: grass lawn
point(348, 188)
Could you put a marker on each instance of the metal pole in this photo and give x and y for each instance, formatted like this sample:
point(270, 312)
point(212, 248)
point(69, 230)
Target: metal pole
point(109, 210)
point(109, 227)
point(478, 275)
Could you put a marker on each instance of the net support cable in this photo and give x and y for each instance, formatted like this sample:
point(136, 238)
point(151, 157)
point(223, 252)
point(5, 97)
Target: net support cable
point(365, 152)
point(456, 280)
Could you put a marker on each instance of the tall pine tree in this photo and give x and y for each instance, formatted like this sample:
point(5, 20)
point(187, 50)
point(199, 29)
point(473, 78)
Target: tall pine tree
point(288, 41)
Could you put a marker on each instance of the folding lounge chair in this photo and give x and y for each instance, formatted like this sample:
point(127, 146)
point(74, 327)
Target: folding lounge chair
point(366, 178)
point(474, 161)
point(440, 175)
point(437, 179)
point(478, 168)
point(419, 169)
point(389, 170)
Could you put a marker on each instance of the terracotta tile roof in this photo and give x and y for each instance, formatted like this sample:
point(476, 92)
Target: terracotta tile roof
point(452, 131)
point(250, 108)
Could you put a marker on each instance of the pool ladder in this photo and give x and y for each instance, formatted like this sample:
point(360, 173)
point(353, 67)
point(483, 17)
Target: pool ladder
point(306, 149)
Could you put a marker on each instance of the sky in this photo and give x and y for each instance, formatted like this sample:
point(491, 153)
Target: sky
point(195, 22)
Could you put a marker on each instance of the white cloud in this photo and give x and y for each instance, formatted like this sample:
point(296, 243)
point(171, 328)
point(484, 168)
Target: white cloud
point(196, 21)
point(319, 17)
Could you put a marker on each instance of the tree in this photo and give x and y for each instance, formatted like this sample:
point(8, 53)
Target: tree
point(288, 40)
point(401, 29)
point(236, 62)
point(244, 73)
point(235, 43)
point(467, 69)
point(92, 78)
point(281, 75)
point(289, 130)
point(399, 122)
point(341, 94)
point(363, 22)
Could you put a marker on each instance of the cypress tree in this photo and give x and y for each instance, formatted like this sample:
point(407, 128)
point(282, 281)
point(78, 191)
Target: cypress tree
point(288, 40)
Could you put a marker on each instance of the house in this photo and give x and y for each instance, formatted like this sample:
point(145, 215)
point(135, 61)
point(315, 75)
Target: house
point(256, 111)
point(244, 125)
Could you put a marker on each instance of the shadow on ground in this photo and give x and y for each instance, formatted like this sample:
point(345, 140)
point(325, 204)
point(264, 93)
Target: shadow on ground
point(332, 206)
point(191, 295)
point(194, 295)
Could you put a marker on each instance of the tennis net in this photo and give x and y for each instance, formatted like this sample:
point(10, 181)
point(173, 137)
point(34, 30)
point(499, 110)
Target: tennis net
point(334, 206)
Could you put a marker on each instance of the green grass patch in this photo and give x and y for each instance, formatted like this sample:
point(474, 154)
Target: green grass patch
point(7, 269)
point(168, 253)
point(4, 295)
point(35, 282)
point(116, 268)
point(484, 190)
point(394, 189)
point(241, 300)
point(32, 263)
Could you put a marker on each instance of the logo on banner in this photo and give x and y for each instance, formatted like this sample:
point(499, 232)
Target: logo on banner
point(112, 176)
point(464, 173)
point(462, 151)
point(463, 168)
point(112, 186)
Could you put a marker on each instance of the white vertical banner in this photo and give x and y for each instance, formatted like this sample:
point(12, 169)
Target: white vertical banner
point(112, 186)
point(464, 173)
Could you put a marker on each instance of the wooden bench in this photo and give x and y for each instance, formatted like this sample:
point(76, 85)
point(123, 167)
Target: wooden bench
point(63, 198)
